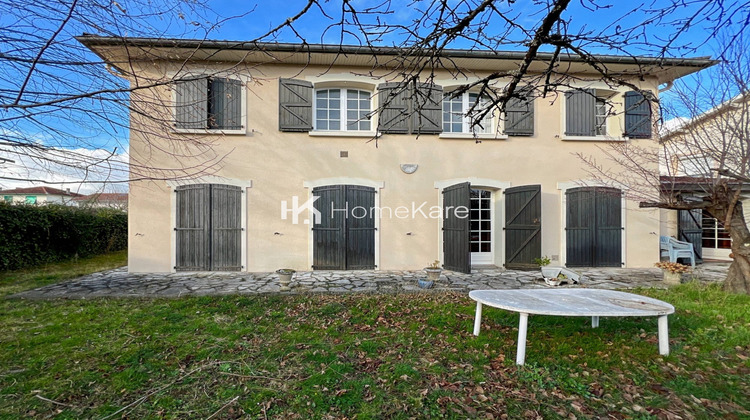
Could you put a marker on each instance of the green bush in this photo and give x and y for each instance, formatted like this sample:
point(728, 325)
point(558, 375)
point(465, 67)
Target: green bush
point(32, 235)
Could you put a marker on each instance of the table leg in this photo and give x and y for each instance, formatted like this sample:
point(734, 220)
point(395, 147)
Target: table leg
point(594, 322)
point(478, 318)
point(663, 335)
point(521, 350)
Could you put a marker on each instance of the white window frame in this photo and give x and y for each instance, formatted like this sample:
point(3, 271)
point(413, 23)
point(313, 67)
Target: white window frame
point(490, 121)
point(343, 122)
point(485, 257)
point(243, 106)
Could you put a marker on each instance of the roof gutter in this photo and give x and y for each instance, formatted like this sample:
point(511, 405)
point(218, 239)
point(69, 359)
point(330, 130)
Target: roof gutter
point(95, 40)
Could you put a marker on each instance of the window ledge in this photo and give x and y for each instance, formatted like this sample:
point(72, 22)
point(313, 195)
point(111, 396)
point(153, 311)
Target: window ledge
point(472, 136)
point(592, 138)
point(321, 133)
point(208, 132)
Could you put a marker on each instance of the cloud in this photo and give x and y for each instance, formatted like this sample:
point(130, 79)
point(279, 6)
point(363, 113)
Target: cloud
point(82, 170)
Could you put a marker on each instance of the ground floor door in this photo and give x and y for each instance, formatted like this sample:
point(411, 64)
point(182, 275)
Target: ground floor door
point(344, 238)
point(690, 229)
point(593, 230)
point(523, 226)
point(208, 228)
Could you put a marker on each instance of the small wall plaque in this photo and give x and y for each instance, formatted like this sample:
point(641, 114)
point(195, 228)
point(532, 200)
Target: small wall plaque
point(409, 168)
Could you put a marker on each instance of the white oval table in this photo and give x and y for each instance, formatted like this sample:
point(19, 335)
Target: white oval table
point(571, 302)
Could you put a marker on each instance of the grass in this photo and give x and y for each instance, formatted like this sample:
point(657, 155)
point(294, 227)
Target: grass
point(31, 278)
point(366, 356)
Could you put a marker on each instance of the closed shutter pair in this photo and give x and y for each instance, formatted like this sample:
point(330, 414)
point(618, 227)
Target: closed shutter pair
point(580, 118)
point(403, 109)
point(209, 103)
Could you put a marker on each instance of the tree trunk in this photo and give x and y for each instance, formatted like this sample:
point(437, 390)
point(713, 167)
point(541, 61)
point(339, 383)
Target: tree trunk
point(738, 277)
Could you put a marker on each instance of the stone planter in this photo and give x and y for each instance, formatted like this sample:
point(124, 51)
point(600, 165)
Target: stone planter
point(672, 278)
point(553, 272)
point(285, 278)
point(433, 274)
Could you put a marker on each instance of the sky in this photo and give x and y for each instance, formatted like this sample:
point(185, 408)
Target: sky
point(80, 132)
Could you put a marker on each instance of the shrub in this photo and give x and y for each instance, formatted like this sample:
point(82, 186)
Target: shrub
point(33, 235)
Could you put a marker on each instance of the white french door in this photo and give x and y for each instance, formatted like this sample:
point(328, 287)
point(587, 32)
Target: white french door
point(481, 224)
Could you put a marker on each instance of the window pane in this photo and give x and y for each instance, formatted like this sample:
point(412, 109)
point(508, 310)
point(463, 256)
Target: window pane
point(486, 247)
point(474, 247)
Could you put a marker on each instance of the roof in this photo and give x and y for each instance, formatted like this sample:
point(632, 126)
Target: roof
point(98, 197)
point(41, 190)
point(120, 50)
point(678, 125)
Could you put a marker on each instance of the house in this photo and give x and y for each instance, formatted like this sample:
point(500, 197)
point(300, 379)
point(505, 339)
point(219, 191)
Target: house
point(38, 195)
point(694, 149)
point(115, 201)
point(396, 188)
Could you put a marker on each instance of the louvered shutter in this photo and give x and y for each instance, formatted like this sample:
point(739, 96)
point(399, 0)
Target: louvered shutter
point(427, 115)
point(225, 104)
point(226, 227)
point(193, 227)
point(456, 243)
point(191, 100)
point(393, 102)
point(519, 116)
point(580, 113)
point(637, 116)
point(295, 105)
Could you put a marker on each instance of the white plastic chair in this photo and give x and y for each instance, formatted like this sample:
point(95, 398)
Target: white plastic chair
point(674, 249)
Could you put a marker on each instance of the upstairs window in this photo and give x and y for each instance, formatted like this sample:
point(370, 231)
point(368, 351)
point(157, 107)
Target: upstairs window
point(343, 110)
point(211, 103)
point(587, 112)
point(456, 117)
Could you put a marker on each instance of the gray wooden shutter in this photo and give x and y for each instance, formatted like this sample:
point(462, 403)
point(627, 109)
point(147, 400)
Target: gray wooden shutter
point(226, 228)
point(191, 100)
point(192, 228)
point(456, 244)
point(393, 101)
point(580, 223)
point(593, 227)
point(608, 241)
point(427, 114)
point(580, 112)
point(519, 116)
point(295, 105)
point(329, 236)
point(360, 228)
point(523, 226)
point(225, 104)
point(637, 116)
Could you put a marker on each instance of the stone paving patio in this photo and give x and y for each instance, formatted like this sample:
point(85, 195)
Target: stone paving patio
point(120, 283)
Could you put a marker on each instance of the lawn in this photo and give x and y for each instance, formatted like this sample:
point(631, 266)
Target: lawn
point(366, 356)
point(30, 278)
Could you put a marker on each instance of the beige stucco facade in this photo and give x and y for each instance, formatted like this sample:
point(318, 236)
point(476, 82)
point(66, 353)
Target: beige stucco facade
point(274, 166)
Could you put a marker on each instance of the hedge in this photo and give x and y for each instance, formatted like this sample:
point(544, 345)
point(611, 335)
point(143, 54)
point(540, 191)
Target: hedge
point(32, 235)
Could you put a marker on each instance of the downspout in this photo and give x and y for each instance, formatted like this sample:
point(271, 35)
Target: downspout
point(667, 87)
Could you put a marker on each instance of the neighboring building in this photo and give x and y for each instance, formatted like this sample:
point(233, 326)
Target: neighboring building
point(38, 195)
point(696, 147)
point(116, 201)
point(294, 122)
